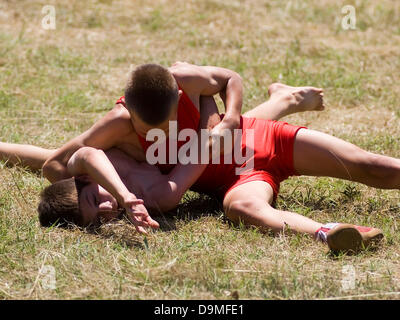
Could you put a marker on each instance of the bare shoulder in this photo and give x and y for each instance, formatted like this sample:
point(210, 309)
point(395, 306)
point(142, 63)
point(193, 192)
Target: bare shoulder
point(117, 117)
point(119, 112)
point(109, 130)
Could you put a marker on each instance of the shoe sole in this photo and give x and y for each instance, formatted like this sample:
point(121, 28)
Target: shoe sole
point(348, 238)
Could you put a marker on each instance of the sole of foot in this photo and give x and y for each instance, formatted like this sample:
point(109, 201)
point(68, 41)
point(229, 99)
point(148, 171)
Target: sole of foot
point(301, 98)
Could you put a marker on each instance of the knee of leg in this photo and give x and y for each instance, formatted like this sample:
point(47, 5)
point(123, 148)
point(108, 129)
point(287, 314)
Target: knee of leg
point(240, 208)
point(376, 166)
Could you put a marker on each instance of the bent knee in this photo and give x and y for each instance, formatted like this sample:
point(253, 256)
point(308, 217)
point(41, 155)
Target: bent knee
point(240, 209)
point(378, 169)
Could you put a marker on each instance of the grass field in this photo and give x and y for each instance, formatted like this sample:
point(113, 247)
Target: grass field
point(55, 83)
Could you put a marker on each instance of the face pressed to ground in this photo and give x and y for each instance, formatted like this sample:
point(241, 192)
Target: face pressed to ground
point(97, 205)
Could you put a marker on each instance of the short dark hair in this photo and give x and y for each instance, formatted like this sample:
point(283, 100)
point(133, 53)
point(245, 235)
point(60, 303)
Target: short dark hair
point(59, 203)
point(151, 93)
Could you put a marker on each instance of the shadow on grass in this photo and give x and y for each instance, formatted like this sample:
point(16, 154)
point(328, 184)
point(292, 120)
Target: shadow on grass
point(118, 231)
point(198, 205)
point(371, 249)
point(193, 207)
point(121, 231)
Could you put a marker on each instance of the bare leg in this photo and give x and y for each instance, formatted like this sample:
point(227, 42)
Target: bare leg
point(319, 154)
point(25, 155)
point(285, 100)
point(251, 204)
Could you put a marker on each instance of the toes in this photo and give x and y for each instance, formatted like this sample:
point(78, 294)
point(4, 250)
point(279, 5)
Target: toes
point(319, 90)
point(314, 90)
point(321, 106)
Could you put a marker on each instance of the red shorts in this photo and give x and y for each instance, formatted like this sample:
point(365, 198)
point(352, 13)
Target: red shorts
point(271, 162)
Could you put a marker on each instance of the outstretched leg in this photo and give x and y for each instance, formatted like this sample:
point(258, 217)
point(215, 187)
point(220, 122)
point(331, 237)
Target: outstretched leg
point(26, 155)
point(250, 203)
point(285, 100)
point(319, 154)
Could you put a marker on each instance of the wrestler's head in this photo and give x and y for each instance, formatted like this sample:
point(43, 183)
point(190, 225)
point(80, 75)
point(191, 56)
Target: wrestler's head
point(152, 97)
point(76, 201)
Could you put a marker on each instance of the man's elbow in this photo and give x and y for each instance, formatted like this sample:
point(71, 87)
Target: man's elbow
point(46, 169)
point(88, 154)
point(78, 162)
point(173, 199)
point(54, 171)
point(236, 78)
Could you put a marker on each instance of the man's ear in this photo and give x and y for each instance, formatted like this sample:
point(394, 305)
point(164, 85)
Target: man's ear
point(180, 92)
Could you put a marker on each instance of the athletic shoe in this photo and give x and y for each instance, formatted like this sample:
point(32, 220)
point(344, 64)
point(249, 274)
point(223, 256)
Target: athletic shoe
point(348, 237)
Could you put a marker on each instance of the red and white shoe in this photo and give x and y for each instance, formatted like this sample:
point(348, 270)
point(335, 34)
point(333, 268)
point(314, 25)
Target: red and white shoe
point(348, 237)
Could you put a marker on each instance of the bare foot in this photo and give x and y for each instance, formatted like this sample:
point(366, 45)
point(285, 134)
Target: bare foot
point(300, 98)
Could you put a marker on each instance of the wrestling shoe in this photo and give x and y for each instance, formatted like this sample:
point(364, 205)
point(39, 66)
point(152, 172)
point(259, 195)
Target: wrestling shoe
point(348, 237)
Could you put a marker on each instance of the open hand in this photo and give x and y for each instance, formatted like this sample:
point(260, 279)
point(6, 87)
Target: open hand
point(137, 214)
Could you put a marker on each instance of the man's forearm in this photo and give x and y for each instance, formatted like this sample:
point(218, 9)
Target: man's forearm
point(183, 176)
point(179, 181)
point(234, 98)
point(55, 167)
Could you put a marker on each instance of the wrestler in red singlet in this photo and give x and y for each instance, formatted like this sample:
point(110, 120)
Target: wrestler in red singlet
point(273, 152)
point(188, 118)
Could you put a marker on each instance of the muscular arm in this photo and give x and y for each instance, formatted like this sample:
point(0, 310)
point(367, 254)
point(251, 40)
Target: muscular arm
point(166, 192)
point(207, 81)
point(170, 191)
point(95, 163)
point(182, 177)
point(102, 135)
